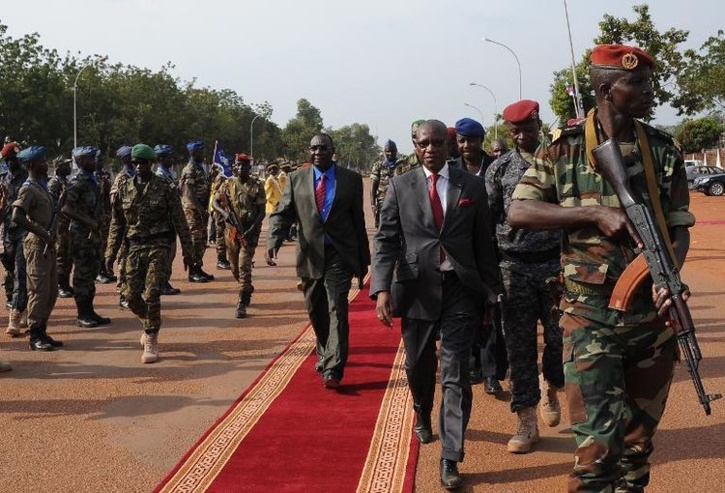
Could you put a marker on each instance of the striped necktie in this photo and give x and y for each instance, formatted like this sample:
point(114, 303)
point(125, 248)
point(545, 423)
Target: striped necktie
point(320, 191)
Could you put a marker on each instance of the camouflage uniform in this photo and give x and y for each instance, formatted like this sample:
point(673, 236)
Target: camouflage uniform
point(64, 259)
point(13, 258)
point(167, 175)
point(247, 201)
point(618, 366)
point(197, 215)
point(382, 172)
point(528, 258)
point(406, 164)
point(219, 243)
point(121, 179)
point(105, 186)
point(147, 220)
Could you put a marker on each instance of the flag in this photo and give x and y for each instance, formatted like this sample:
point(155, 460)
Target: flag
point(569, 89)
point(223, 160)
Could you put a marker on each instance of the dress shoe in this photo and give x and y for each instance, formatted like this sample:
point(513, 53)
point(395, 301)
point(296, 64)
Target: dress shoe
point(99, 319)
point(318, 366)
point(197, 277)
point(223, 265)
point(51, 341)
point(65, 292)
point(331, 382)
point(450, 478)
point(169, 290)
point(476, 376)
point(423, 430)
point(86, 322)
point(492, 386)
point(40, 345)
point(207, 276)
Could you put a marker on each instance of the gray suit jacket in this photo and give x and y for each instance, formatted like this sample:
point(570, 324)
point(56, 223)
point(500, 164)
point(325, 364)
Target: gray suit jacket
point(345, 225)
point(407, 244)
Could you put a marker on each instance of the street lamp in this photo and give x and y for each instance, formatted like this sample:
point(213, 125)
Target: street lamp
point(75, 105)
point(251, 136)
point(487, 40)
point(495, 107)
point(577, 96)
point(475, 108)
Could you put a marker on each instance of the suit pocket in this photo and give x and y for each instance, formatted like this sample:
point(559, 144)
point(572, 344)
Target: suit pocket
point(407, 268)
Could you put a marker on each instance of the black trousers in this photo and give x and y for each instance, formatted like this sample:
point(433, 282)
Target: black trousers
point(460, 318)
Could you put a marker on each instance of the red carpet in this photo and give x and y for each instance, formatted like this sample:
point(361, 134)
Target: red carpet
point(287, 433)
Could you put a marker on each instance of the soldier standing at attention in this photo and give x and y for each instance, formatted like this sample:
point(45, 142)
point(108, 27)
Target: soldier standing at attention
point(64, 259)
point(380, 175)
point(165, 171)
point(34, 211)
point(147, 212)
point(219, 243)
point(123, 154)
point(618, 366)
point(527, 259)
point(194, 186)
point(83, 206)
point(104, 182)
point(241, 199)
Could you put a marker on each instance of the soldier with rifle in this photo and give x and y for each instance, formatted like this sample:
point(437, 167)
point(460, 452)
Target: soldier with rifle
point(241, 202)
point(618, 366)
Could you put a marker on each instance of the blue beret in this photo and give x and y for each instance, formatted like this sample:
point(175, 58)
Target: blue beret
point(85, 151)
point(390, 145)
point(123, 151)
point(32, 153)
point(195, 145)
point(470, 128)
point(163, 150)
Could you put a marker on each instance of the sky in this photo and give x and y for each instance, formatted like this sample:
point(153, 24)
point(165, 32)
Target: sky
point(385, 63)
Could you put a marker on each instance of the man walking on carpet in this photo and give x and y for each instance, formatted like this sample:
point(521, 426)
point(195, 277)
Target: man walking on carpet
point(435, 266)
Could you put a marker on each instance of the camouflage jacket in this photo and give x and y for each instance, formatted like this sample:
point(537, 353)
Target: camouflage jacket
point(197, 178)
point(502, 176)
point(592, 262)
point(83, 194)
point(247, 200)
point(406, 164)
point(150, 217)
point(382, 173)
point(121, 179)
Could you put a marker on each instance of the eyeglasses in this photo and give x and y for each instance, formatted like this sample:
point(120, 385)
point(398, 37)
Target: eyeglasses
point(319, 148)
point(424, 144)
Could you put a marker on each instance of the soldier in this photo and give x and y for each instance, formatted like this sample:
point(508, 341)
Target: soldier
point(241, 202)
point(219, 243)
point(34, 211)
point(147, 212)
point(165, 171)
point(13, 258)
point(128, 171)
point(105, 184)
point(498, 148)
point(194, 186)
point(83, 206)
point(527, 260)
point(618, 366)
point(409, 162)
point(380, 175)
point(64, 260)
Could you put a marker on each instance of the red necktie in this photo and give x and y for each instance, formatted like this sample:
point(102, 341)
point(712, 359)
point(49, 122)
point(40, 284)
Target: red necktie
point(320, 194)
point(437, 206)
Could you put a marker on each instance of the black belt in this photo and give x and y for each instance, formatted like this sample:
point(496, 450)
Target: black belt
point(531, 257)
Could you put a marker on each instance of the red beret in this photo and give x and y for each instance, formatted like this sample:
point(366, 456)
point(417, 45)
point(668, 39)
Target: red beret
point(10, 149)
point(521, 111)
point(242, 157)
point(452, 132)
point(620, 57)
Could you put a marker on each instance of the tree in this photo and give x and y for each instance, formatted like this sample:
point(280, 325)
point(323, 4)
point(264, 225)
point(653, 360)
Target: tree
point(702, 81)
point(301, 129)
point(354, 146)
point(695, 135)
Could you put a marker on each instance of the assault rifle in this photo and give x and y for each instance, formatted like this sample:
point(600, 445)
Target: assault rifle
point(237, 231)
point(661, 268)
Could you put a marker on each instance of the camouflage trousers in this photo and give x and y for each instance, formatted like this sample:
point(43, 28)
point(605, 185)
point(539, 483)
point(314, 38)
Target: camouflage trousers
point(170, 260)
point(240, 258)
point(617, 381)
point(219, 240)
point(145, 271)
point(15, 274)
point(42, 282)
point(87, 264)
point(197, 221)
point(64, 258)
point(121, 258)
point(528, 300)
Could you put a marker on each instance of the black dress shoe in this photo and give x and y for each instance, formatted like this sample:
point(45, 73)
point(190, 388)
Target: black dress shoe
point(64, 292)
point(169, 290)
point(476, 376)
point(491, 386)
point(197, 277)
point(318, 366)
point(450, 478)
point(206, 275)
point(423, 430)
point(40, 345)
point(101, 320)
point(86, 322)
point(223, 265)
point(331, 382)
point(51, 341)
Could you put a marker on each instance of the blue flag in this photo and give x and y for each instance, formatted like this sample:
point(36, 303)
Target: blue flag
point(223, 160)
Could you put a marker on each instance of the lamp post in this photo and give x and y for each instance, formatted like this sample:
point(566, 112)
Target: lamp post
point(487, 40)
point(495, 107)
point(475, 108)
point(75, 105)
point(251, 136)
point(577, 97)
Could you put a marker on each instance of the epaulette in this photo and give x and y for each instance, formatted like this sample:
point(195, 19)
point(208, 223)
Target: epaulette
point(567, 131)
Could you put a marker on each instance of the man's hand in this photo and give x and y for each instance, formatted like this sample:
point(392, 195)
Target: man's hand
point(270, 254)
point(384, 309)
point(663, 300)
point(613, 222)
point(109, 265)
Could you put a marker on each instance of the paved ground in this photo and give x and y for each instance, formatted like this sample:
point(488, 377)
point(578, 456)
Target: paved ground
point(92, 418)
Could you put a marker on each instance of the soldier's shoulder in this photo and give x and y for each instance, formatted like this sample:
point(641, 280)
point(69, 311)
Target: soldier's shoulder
point(575, 129)
point(658, 135)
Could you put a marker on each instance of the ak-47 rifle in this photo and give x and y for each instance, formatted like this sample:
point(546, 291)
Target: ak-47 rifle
point(237, 231)
point(661, 267)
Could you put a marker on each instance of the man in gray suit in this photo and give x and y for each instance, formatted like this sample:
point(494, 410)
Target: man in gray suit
point(332, 246)
point(435, 266)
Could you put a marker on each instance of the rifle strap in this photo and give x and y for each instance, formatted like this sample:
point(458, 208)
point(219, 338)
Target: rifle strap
point(592, 140)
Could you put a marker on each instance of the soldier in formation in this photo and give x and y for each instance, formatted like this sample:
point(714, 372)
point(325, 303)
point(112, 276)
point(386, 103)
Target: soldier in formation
point(194, 186)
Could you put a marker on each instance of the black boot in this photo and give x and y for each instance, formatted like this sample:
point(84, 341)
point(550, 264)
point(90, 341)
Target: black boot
point(99, 319)
point(168, 290)
point(85, 319)
point(38, 342)
point(209, 277)
point(245, 298)
point(223, 264)
point(241, 309)
point(64, 289)
point(450, 478)
point(197, 275)
point(53, 342)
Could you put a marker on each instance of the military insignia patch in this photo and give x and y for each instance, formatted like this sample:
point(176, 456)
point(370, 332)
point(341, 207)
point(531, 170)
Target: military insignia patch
point(630, 61)
point(534, 115)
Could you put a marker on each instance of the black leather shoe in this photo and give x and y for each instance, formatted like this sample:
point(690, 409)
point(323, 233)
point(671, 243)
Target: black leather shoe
point(331, 382)
point(40, 345)
point(86, 322)
point(99, 319)
point(207, 276)
point(476, 376)
point(51, 341)
point(318, 366)
point(169, 290)
point(423, 430)
point(65, 292)
point(103, 279)
point(491, 386)
point(223, 265)
point(450, 478)
point(197, 277)
point(241, 311)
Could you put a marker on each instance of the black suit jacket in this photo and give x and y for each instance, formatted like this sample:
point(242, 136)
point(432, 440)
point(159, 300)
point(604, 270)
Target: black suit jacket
point(407, 243)
point(345, 225)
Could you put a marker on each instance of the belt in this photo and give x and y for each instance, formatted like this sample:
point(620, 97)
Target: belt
point(588, 289)
point(531, 257)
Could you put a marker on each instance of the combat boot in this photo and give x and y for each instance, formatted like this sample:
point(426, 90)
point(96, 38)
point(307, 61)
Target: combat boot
point(168, 290)
point(150, 343)
point(13, 323)
point(245, 298)
point(197, 275)
point(549, 407)
point(241, 310)
point(98, 318)
point(223, 264)
point(208, 277)
point(85, 319)
point(38, 342)
point(64, 288)
point(527, 432)
point(24, 319)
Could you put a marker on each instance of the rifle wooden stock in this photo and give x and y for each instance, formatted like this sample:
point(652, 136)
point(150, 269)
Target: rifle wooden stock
point(628, 284)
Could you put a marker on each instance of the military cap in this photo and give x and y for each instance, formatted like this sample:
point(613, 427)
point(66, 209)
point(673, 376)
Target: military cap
point(32, 153)
point(469, 128)
point(143, 151)
point(123, 151)
point(195, 145)
point(521, 111)
point(414, 126)
point(619, 57)
point(390, 146)
point(451, 131)
point(238, 158)
point(85, 151)
point(10, 149)
point(163, 150)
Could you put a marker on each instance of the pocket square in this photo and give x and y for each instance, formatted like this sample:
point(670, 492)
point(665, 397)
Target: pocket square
point(466, 202)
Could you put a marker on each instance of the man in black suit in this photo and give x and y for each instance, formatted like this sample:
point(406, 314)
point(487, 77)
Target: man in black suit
point(326, 201)
point(435, 266)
